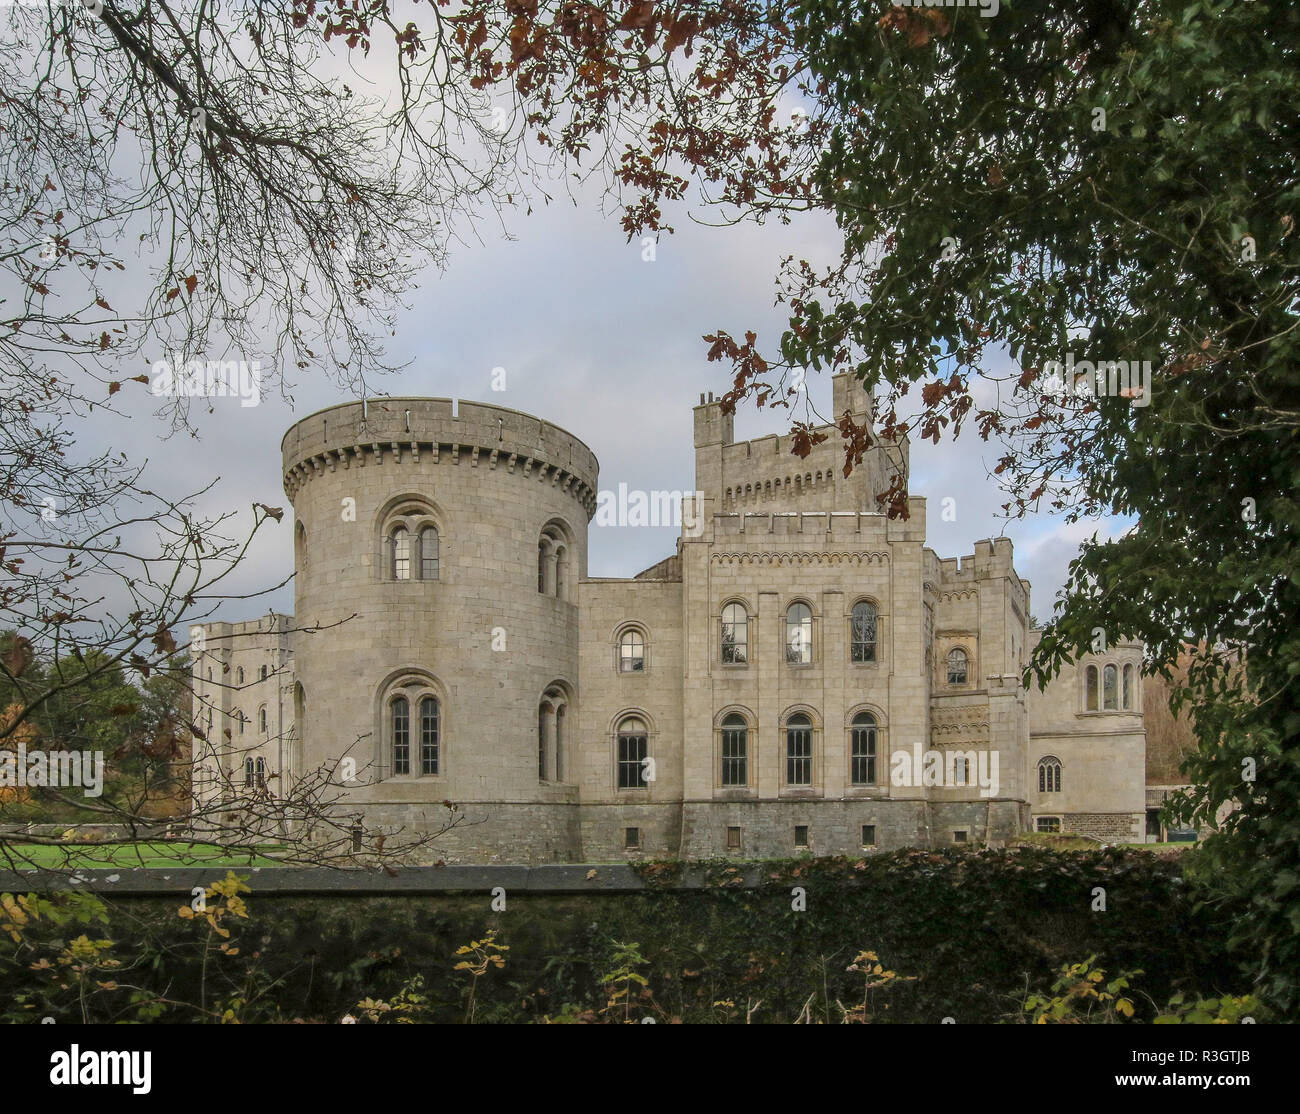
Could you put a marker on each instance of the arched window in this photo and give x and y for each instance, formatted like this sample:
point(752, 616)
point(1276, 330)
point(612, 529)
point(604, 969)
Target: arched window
point(863, 749)
point(1110, 688)
point(429, 735)
point(239, 674)
point(562, 573)
point(209, 673)
point(262, 674)
point(300, 545)
point(958, 664)
point(735, 634)
point(1128, 687)
point(429, 553)
point(261, 773)
point(242, 721)
point(798, 750)
point(543, 554)
point(735, 750)
point(1049, 774)
point(631, 652)
point(541, 741)
point(633, 749)
point(401, 735)
point(798, 634)
point(863, 633)
point(248, 773)
point(261, 718)
point(560, 718)
point(1091, 701)
point(401, 546)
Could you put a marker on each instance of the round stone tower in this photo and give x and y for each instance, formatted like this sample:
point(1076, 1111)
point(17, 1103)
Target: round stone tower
point(437, 553)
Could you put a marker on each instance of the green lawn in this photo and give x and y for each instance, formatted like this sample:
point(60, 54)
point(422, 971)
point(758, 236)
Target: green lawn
point(30, 856)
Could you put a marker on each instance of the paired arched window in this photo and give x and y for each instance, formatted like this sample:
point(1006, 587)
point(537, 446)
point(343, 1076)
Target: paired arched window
point(412, 541)
point(735, 634)
point(555, 561)
point(399, 735)
point(862, 633)
point(863, 749)
point(631, 651)
point(552, 725)
point(633, 750)
point(798, 750)
point(248, 773)
point(735, 750)
point(958, 666)
point(1049, 774)
point(798, 634)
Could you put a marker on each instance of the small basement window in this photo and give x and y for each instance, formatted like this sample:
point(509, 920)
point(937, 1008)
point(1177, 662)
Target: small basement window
point(801, 835)
point(1048, 824)
point(733, 839)
point(960, 835)
point(631, 838)
point(868, 835)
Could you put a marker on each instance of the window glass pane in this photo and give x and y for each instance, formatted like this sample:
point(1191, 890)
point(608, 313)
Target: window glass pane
point(401, 554)
point(633, 747)
point(631, 652)
point(863, 760)
point(429, 553)
point(735, 635)
point(798, 750)
point(798, 634)
point(428, 735)
point(735, 751)
point(401, 736)
point(957, 662)
point(1128, 687)
point(1110, 687)
point(1092, 702)
point(864, 632)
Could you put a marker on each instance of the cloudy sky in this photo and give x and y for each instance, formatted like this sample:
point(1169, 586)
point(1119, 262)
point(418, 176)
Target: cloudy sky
point(598, 340)
point(607, 345)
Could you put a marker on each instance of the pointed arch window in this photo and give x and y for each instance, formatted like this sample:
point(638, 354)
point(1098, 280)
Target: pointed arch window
point(1049, 774)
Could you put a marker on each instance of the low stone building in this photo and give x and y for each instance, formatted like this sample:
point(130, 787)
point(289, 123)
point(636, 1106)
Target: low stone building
point(803, 673)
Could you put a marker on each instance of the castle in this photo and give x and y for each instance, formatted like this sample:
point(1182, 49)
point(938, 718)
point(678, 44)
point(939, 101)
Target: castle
point(803, 673)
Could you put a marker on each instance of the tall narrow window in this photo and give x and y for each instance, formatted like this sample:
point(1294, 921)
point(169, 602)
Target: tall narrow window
point(958, 664)
point(239, 674)
point(631, 652)
point(401, 542)
point(541, 742)
point(559, 742)
point(864, 632)
point(735, 635)
point(864, 749)
point(735, 750)
point(429, 553)
point(1091, 699)
point(429, 735)
point(401, 736)
point(562, 573)
point(798, 750)
point(1110, 688)
point(248, 773)
point(1049, 775)
point(1128, 688)
point(798, 634)
point(261, 719)
point(633, 748)
point(541, 567)
point(261, 773)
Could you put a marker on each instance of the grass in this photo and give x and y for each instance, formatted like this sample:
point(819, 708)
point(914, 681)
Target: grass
point(35, 856)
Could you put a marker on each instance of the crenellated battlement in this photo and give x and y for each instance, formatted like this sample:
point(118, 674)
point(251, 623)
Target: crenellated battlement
point(393, 429)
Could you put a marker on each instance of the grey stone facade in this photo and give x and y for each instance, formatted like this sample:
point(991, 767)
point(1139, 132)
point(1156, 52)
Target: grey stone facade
point(486, 668)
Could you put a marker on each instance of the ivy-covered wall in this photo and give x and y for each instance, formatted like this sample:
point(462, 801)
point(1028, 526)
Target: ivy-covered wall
point(972, 929)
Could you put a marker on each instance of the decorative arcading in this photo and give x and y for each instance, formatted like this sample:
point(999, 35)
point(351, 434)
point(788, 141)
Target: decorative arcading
point(793, 559)
point(959, 595)
point(528, 467)
point(777, 488)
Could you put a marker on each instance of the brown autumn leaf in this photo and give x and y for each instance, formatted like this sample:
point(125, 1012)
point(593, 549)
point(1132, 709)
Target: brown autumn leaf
point(190, 283)
point(113, 387)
